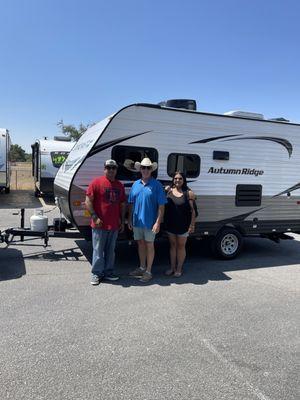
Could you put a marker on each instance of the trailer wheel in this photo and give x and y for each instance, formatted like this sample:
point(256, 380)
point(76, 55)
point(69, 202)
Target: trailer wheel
point(7, 190)
point(227, 244)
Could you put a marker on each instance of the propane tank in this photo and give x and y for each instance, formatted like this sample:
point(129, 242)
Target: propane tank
point(39, 221)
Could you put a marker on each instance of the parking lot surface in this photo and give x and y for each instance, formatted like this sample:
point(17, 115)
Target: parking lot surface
point(224, 330)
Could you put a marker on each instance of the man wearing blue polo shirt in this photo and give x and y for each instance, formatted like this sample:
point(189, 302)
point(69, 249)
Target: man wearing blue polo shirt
point(147, 201)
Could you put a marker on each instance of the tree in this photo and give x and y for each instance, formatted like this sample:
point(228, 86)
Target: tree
point(17, 153)
point(28, 157)
point(72, 131)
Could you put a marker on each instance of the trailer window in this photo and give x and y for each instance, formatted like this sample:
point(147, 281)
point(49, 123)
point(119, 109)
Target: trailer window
point(58, 158)
point(189, 164)
point(126, 156)
point(248, 195)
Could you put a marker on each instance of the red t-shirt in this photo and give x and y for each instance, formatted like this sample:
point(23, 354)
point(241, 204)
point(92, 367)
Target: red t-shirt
point(107, 199)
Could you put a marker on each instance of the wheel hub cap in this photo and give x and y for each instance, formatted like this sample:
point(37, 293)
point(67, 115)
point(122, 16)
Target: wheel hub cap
point(229, 244)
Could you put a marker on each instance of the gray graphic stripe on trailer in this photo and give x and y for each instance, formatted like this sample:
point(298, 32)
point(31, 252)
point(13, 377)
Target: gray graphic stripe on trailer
point(283, 142)
point(241, 217)
point(211, 139)
point(290, 189)
point(111, 143)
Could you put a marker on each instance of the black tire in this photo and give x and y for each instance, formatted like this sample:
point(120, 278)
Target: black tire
point(7, 190)
point(227, 244)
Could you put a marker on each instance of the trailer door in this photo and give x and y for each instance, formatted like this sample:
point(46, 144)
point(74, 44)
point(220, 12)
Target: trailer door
point(35, 161)
point(2, 160)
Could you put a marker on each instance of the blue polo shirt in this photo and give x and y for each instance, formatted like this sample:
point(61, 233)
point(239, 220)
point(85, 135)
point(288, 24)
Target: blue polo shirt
point(146, 199)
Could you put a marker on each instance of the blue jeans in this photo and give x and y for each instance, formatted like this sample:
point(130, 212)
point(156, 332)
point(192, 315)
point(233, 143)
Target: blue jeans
point(104, 243)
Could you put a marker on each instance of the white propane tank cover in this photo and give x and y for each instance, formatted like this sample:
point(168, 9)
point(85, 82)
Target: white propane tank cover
point(39, 221)
point(244, 114)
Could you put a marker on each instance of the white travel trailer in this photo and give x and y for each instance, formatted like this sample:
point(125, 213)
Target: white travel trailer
point(47, 157)
point(4, 160)
point(244, 169)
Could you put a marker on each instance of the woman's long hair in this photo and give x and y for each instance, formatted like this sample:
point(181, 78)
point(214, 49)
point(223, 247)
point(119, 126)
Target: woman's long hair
point(184, 184)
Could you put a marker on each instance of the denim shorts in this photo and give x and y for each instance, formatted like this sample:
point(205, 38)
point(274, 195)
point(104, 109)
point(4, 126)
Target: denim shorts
point(143, 234)
point(185, 234)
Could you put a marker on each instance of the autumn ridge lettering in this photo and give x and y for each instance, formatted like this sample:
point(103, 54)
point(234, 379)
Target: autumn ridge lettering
point(236, 171)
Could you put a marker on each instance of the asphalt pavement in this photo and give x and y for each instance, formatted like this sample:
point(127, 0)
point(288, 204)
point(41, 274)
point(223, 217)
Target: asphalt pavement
point(224, 330)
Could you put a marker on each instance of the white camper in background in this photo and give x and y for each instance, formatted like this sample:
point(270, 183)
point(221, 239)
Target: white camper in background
point(244, 169)
point(47, 157)
point(4, 160)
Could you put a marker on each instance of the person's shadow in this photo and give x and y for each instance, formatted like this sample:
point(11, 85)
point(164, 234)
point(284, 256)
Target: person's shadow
point(200, 266)
point(12, 264)
point(195, 269)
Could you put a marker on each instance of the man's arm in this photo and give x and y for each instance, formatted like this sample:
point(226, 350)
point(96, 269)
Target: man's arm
point(160, 215)
point(130, 205)
point(123, 212)
point(89, 206)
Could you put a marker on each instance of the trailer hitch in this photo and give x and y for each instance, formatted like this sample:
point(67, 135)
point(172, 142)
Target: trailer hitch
point(57, 230)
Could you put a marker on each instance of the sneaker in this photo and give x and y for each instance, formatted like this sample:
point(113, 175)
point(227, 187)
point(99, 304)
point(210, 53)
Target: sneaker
point(138, 272)
point(147, 276)
point(95, 280)
point(112, 277)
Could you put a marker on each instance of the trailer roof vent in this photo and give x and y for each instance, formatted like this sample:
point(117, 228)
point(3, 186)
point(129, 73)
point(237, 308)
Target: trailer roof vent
point(245, 114)
point(62, 138)
point(280, 119)
point(186, 104)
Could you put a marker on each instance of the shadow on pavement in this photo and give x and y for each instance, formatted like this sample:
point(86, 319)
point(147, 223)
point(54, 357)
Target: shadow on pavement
point(200, 266)
point(19, 199)
point(55, 255)
point(12, 264)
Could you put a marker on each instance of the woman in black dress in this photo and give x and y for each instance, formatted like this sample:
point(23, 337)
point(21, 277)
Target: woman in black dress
point(179, 220)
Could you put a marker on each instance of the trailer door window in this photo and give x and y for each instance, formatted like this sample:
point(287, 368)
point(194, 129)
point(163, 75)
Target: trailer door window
point(248, 195)
point(126, 156)
point(189, 164)
point(58, 158)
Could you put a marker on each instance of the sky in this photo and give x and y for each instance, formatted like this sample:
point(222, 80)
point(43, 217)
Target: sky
point(83, 60)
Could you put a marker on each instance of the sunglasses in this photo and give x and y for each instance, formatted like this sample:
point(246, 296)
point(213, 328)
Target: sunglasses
point(110, 168)
point(143, 167)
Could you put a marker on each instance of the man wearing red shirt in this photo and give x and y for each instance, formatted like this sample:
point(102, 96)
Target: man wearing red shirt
point(105, 200)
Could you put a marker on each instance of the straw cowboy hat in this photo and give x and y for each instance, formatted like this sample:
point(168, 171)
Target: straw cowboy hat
point(146, 162)
point(129, 164)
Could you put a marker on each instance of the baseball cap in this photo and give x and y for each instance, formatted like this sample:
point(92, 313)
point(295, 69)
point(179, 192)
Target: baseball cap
point(110, 163)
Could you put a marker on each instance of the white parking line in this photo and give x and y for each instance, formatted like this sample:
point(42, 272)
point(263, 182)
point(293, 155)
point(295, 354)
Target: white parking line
point(43, 202)
point(234, 370)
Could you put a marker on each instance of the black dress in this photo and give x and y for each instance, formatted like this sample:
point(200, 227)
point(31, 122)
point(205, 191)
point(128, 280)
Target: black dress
point(178, 214)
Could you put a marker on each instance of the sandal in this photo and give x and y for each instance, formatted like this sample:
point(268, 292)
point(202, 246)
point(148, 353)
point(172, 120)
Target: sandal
point(147, 276)
point(138, 272)
point(177, 274)
point(169, 272)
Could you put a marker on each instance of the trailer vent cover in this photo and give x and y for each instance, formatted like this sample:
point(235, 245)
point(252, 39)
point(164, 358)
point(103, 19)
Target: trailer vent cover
point(280, 119)
point(244, 114)
point(248, 195)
